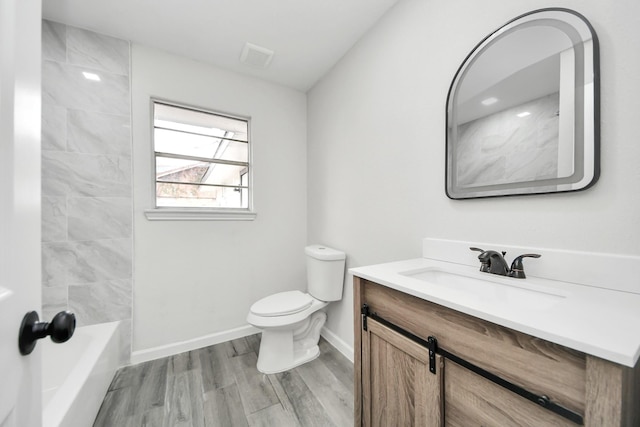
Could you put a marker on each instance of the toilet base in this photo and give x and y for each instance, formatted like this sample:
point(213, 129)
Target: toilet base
point(283, 348)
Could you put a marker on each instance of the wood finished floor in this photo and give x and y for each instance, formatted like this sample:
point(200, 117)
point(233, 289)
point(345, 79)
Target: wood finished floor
point(220, 386)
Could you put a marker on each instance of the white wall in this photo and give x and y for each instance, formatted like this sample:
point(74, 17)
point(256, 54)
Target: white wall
point(195, 278)
point(376, 143)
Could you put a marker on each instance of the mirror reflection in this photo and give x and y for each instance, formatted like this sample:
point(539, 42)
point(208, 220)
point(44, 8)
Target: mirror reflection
point(522, 110)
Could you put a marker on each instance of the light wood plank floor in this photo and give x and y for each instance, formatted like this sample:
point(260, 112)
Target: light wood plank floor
point(220, 386)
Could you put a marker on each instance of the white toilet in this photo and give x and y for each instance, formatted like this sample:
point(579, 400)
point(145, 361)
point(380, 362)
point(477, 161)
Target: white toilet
point(291, 321)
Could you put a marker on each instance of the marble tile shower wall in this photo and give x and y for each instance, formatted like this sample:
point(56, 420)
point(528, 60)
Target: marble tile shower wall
point(86, 178)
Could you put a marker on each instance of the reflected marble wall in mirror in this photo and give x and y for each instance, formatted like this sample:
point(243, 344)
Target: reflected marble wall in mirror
point(523, 110)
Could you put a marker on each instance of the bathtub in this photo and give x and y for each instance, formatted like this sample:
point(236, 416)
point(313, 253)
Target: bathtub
point(77, 374)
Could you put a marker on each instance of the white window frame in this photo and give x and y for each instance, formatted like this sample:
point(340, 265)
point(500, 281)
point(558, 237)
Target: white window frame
point(161, 213)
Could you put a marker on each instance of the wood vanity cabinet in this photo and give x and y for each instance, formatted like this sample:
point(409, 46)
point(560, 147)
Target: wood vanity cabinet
point(395, 387)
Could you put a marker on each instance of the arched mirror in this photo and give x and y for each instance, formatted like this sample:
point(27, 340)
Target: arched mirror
point(523, 110)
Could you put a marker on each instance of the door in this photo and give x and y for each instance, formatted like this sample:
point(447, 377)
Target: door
point(20, 29)
point(473, 401)
point(397, 387)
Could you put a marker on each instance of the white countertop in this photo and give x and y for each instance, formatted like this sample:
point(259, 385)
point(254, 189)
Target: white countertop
point(600, 322)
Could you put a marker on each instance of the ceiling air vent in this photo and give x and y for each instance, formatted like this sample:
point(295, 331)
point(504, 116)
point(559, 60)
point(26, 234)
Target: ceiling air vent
point(256, 56)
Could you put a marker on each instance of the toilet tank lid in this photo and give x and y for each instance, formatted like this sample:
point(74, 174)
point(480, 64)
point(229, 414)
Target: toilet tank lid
point(324, 253)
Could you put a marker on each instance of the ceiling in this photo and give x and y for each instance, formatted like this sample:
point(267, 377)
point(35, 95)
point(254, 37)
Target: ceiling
point(308, 37)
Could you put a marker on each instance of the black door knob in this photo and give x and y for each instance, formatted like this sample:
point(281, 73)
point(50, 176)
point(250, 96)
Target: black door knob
point(60, 329)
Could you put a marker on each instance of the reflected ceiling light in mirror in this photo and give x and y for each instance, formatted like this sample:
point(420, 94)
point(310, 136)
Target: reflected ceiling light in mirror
point(523, 114)
point(489, 101)
point(91, 76)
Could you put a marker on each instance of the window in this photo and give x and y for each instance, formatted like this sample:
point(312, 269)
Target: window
point(201, 160)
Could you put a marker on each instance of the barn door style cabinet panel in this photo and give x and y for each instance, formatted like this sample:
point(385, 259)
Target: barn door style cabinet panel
point(401, 391)
point(421, 364)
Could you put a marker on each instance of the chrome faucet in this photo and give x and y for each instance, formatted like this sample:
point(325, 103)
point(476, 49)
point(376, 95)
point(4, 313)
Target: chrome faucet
point(493, 262)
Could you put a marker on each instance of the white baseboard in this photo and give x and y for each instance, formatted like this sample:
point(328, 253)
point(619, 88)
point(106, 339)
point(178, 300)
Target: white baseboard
point(338, 343)
point(193, 344)
point(219, 337)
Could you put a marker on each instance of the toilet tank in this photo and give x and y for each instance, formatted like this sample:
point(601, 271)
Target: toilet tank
point(325, 272)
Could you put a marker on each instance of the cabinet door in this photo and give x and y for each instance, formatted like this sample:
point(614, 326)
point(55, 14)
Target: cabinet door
point(398, 389)
point(471, 400)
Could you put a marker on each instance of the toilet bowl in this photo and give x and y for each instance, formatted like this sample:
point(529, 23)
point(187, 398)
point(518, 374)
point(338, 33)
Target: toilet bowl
point(290, 331)
point(291, 321)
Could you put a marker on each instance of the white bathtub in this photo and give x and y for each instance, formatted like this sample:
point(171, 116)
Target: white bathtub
point(77, 374)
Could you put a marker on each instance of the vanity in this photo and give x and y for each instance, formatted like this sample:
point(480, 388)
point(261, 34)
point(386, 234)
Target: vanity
point(439, 343)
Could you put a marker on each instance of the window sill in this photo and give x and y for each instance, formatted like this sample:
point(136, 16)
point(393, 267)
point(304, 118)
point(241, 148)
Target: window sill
point(173, 214)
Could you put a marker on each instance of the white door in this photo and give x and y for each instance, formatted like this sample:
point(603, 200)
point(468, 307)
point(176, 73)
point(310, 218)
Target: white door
point(20, 29)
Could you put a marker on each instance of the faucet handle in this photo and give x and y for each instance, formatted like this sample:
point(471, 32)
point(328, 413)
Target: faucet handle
point(517, 269)
point(476, 249)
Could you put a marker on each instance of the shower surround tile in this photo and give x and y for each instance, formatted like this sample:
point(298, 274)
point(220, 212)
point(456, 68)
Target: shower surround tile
point(91, 218)
point(98, 133)
point(76, 174)
point(54, 41)
point(101, 302)
point(57, 259)
point(54, 127)
point(97, 51)
point(65, 85)
point(87, 256)
point(54, 219)
point(90, 261)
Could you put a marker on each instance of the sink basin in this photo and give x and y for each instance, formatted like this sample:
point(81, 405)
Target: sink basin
point(498, 288)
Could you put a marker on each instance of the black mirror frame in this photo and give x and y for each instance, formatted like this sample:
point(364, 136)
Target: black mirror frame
point(596, 107)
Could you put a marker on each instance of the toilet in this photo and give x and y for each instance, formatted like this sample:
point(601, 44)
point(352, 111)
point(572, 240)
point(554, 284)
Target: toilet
point(291, 321)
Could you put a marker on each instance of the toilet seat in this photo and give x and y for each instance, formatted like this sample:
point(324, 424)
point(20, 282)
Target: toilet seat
point(282, 304)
